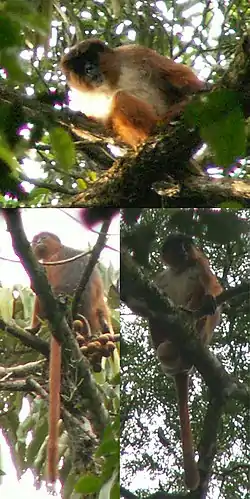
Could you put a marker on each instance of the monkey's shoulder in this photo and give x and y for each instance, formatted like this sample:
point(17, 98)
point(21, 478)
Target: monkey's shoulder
point(171, 78)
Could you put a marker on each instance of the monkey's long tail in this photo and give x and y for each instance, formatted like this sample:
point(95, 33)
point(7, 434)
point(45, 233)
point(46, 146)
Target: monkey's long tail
point(54, 409)
point(192, 478)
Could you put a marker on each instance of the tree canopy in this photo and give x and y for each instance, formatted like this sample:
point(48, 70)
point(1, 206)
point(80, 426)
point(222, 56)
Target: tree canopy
point(89, 424)
point(151, 455)
point(38, 145)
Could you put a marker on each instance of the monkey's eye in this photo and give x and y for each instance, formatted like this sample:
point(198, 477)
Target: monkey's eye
point(89, 68)
point(92, 72)
point(184, 249)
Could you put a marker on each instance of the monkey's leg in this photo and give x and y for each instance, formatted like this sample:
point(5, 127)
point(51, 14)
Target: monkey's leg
point(132, 119)
point(192, 478)
point(54, 408)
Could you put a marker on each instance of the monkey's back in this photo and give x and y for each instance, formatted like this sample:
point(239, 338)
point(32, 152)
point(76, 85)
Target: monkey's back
point(154, 78)
point(65, 280)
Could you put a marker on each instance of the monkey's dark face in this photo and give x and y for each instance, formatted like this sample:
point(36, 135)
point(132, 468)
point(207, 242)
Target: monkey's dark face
point(177, 251)
point(45, 244)
point(82, 64)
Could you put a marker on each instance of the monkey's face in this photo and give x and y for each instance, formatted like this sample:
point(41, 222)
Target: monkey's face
point(177, 251)
point(45, 244)
point(82, 65)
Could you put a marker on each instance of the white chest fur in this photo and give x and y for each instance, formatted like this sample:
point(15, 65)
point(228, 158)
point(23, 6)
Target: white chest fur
point(98, 103)
point(95, 104)
point(178, 287)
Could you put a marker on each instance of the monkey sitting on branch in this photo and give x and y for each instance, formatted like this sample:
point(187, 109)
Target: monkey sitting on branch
point(189, 283)
point(64, 277)
point(129, 89)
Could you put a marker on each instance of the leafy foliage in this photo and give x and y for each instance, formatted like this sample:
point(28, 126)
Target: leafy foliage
point(36, 142)
point(151, 456)
point(27, 437)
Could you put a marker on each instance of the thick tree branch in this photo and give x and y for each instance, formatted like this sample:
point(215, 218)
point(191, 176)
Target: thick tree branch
point(21, 370)
point(156, 495)
point(129, 182)
point(95, 254)
point(78, 381)
point(26, 338)
point(152, 304)
point(208, 445)
point(163, 158)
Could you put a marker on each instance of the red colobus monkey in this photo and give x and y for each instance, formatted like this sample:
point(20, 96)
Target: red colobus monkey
point(188, 281)
point(64, 279)
point(130, 89)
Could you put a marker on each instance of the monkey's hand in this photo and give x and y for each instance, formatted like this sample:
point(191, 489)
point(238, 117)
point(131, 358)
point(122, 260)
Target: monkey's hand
point(33, 330)
point(209, 306)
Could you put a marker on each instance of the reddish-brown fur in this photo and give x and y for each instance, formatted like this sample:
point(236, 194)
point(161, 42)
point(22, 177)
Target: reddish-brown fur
point(187, 282)
point(141, 87)
point(64, 279)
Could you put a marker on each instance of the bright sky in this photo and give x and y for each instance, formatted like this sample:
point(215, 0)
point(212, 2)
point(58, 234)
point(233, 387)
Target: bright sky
point(62, 223)
point(71, 233)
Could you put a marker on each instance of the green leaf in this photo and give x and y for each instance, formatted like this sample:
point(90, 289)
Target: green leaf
point(6, 304)
point(10, 61)
point(115, 492)
point(92, 175)
point(108, 447)
point(226, 138)
point(221, 122)
point(63, 147)
point(234, 205)
point(81, 184)
point(26, 15)
point(88, 484)
point(9, 33)
point(105, 492)
point(7, 156)
point(39, 435)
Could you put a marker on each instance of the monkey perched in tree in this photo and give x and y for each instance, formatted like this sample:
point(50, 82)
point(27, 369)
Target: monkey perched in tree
point(64, 279)
point(189, 283)
point(130, 89)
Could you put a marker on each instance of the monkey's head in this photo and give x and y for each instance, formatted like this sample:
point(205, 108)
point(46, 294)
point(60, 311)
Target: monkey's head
point(179, 251)
point(85, 64)
point(45, 244)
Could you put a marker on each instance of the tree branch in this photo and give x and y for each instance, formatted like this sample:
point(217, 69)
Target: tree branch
point(95, 254)
point(78, 381)
point(152, 304)
point(26, 338)
point(129, 182)
point(163, 158)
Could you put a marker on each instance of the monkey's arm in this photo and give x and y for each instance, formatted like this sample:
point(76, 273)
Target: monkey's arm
point(207, 285)
point(203, 296)
point(132, 119)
